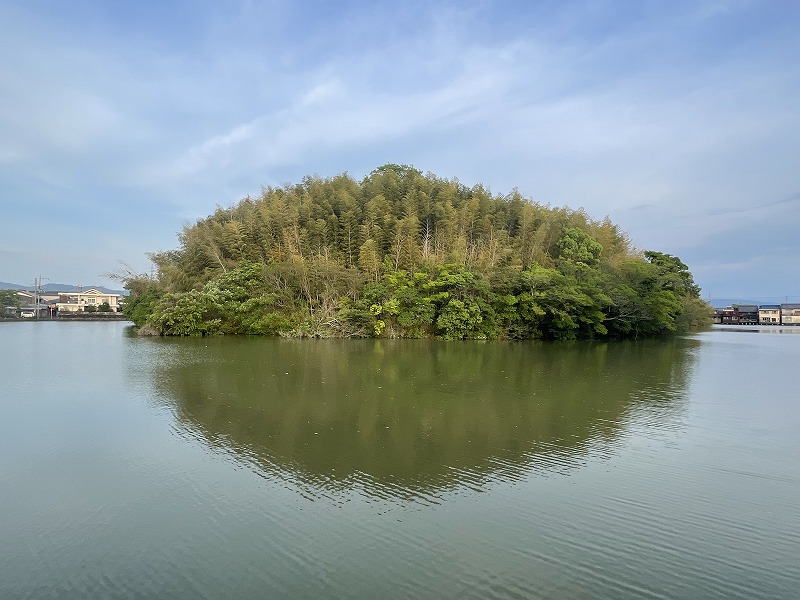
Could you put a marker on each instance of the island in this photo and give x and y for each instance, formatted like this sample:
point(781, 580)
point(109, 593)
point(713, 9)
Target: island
point(402, 254)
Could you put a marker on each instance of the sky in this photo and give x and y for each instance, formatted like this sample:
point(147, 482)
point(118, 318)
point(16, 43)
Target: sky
point(120, 122)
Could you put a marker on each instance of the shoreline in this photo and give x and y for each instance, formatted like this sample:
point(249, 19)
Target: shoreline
point(81, 317)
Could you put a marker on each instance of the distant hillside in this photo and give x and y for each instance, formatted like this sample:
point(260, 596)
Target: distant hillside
point(60, 287)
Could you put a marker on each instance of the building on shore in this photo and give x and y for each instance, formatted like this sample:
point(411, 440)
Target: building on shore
point(86, 301)
point(769, 314)
point(39, 304)
point(790, 314)
point(751, 314)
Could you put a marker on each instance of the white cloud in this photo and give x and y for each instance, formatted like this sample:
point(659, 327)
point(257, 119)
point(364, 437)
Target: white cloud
point(323, 93)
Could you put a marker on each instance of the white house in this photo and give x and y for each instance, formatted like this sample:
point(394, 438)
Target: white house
point(78, 301)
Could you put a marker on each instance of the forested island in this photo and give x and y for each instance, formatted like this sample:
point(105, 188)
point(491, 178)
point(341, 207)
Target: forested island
point(403, 254)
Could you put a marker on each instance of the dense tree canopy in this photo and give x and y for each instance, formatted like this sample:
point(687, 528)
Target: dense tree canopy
point(402, 254)
point(9, 298)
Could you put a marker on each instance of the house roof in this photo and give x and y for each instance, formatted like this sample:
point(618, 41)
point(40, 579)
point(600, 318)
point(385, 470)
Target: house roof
point(90, 292)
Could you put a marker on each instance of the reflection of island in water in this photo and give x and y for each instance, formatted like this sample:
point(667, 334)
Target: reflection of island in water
point(408, 418)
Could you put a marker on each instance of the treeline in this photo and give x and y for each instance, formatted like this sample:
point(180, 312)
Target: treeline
point(402, 254)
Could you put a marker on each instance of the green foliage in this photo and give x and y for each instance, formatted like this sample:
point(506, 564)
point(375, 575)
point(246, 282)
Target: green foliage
point(695, 316)
point(655, 296)
point(184, 313)
point(459, 319)
point(271, 323)
point(408, 303)
point(578, 246)
point(142, 300)
point(402, 254)
point(675, 273)
point(9, 298)
point(563, 307)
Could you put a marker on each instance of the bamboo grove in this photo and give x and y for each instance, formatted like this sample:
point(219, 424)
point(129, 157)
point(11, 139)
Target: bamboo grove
point(402, 254)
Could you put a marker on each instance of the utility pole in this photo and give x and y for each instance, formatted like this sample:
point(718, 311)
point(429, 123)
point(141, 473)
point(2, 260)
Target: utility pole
point(36, 285)
point(37, 293)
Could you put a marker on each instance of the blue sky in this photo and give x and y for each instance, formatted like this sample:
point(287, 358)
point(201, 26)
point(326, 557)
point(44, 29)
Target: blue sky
point(122, 121)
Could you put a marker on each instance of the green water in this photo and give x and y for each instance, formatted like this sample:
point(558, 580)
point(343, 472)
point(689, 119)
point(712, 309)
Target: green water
point(268, 468)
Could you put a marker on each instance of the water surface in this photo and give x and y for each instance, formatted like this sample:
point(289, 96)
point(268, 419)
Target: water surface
point(250, 468)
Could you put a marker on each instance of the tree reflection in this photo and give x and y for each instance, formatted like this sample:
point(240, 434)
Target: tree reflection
point(417, 417)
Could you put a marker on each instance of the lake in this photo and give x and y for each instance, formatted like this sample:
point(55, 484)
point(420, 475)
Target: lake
point(235, 467)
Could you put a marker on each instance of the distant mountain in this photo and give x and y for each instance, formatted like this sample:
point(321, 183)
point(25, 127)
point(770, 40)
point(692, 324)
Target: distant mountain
point(60, 287)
